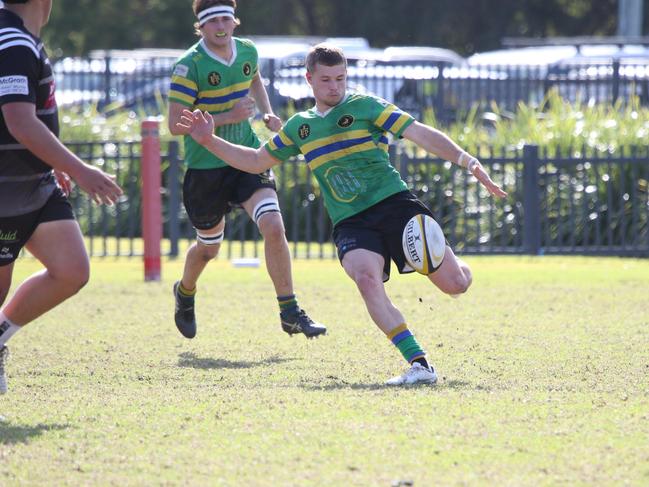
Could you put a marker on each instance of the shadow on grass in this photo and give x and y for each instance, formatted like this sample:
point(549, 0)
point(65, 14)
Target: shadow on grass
point(342, 384)
point(346, 385)
point(13, 434)
point(188, 359)
point(456, 384)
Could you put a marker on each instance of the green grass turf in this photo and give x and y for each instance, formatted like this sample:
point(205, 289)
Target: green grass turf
point(543, 369)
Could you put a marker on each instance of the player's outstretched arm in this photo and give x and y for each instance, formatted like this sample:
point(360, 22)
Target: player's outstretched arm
point(432, 140)
point(242, 110)
point(201, 127)
point(27, 129)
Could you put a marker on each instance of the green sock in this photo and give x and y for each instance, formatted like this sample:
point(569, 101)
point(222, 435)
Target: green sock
point(287, 304)
point(186, 292)
point(407, 344)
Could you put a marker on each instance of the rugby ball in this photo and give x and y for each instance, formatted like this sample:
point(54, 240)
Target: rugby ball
point(424, 244)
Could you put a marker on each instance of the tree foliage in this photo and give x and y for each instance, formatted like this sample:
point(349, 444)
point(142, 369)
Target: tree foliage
point(467, 26)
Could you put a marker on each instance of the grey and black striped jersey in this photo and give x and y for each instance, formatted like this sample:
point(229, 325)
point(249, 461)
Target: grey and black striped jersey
point(26, 182)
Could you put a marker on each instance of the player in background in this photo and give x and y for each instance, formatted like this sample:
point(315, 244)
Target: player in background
point(34, 210)
point(343, 139)
point(219, 75)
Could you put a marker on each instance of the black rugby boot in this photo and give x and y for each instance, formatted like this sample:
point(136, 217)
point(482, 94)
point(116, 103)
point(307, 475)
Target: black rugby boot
point(184, 313)
point(299, 322)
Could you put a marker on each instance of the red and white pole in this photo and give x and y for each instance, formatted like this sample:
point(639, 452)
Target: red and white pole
point(151, 199)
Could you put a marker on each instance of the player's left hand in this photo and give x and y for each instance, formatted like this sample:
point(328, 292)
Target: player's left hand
point(481, 175)
point(273, 122)
point(197, 124)
point(64, 182)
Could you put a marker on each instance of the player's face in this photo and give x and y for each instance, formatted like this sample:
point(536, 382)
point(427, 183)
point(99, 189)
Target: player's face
point(218, 31)
point(329, 83)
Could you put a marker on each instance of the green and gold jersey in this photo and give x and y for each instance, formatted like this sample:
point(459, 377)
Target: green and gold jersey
point(347, 151)
point(202, 80)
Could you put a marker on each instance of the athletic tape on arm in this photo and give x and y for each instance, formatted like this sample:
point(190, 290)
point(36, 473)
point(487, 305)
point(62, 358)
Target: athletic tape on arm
point(468, 161)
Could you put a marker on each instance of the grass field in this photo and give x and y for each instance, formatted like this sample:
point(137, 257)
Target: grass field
point(544, 371)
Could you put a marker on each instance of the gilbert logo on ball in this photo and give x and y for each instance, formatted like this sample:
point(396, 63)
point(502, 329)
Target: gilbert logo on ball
point(423, 244)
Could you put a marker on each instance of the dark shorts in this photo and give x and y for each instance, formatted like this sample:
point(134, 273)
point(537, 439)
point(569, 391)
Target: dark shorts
point(380, 229)
point(15, 231)
point(208, 194)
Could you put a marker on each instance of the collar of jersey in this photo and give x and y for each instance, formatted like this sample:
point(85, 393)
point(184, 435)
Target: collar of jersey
point(14, 17)
point(218, 58)
point(324, 114)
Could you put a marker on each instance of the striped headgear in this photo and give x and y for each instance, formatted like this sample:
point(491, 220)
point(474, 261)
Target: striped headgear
point(218, 11)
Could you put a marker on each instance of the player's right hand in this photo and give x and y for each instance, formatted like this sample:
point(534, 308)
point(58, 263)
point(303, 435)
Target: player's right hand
point(197, 124)
point(481, 175)
point(101, 187)
point(64, 182)
point(243, 110)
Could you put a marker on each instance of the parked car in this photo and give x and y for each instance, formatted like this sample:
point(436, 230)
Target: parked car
point(603, 73)
point(116, 79)
point(422, 54)
point(582, 72)
point(403, 75)
point(281, 61)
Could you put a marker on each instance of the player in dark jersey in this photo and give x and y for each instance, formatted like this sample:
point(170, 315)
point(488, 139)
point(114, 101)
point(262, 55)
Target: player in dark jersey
point(219, 74)
point(34, 210)
point(343, 140)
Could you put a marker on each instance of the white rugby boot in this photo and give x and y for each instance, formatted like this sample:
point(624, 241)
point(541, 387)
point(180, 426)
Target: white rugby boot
point(416, 374)
point(4, 353)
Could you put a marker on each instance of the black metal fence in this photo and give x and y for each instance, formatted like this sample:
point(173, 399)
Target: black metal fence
point(590, 203)
point(453, 90)
point(114, 84)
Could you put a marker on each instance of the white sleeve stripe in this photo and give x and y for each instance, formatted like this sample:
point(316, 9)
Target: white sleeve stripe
point(46, 111)
point(45, 81)
point(11, 29)
point(17, 36)
point(20, 43)
point(11, 147)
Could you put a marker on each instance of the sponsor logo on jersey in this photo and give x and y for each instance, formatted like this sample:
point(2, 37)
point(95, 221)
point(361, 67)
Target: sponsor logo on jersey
point(181, 70)
point(14, 85)
point(214, 78)
point(247, 69)
point(51, 98)
point(345, 121)
point(304, 131)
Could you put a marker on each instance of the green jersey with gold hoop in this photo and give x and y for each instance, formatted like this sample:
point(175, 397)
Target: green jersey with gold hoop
point(346, 149)
point(202, 80)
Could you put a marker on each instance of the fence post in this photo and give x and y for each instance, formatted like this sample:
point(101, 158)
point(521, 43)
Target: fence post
point(173, 184)
point(107, 80)
point(270, 89)
point(439, 108)
point(616, 80)
point(531, 210)
point(151, 199)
